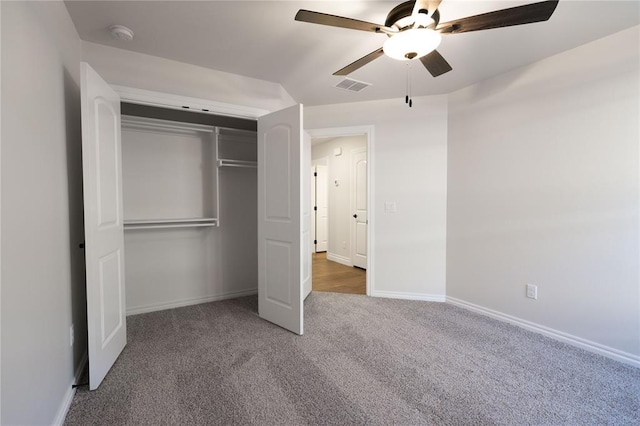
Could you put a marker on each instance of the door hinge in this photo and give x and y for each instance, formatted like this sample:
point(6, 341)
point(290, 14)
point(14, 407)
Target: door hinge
point(315, 174)
point(315, 241)
point(315, 208)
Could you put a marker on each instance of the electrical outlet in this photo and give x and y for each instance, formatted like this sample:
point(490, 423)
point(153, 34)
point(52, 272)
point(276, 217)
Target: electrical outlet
point(532, 291)
point(71, 335)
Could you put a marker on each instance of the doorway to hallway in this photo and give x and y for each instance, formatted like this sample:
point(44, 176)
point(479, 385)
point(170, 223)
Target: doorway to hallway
point(339, 220)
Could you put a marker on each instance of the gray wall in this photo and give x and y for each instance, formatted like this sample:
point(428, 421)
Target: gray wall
point(543, 189)
point(42, 266)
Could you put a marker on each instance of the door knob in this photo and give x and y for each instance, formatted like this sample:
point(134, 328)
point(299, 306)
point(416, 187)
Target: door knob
point(355, 215)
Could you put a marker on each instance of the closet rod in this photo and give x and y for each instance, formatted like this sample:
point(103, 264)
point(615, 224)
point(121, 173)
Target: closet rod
point(171, 225)
point(163, 221)
point(237, 163)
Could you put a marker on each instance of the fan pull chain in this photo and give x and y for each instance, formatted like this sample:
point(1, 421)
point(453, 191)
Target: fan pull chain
point(410, 87)
point(407, 98)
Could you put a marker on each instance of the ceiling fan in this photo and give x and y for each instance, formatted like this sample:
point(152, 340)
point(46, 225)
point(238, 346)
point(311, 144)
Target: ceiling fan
point(414, 29)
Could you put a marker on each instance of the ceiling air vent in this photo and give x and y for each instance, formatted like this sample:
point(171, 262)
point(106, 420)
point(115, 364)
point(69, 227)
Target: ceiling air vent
point(352, 85)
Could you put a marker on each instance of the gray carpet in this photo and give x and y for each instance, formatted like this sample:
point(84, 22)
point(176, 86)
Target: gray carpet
point(361, 361)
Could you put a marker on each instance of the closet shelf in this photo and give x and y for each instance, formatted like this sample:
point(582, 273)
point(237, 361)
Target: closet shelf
point(237, 163)
point(170, 223)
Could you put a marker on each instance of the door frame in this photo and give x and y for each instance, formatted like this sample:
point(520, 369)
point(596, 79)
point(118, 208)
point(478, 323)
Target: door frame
point(368, 132)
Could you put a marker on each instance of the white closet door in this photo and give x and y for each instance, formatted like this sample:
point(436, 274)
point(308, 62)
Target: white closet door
point(280, 218)
point(104, 236)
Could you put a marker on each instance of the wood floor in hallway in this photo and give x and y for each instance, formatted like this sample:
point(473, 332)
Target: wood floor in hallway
point(337, 278)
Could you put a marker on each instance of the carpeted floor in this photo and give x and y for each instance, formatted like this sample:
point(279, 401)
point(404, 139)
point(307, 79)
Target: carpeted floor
point(361, 361)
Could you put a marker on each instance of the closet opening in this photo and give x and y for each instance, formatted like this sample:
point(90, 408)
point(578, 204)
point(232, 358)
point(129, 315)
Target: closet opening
point(189, 184)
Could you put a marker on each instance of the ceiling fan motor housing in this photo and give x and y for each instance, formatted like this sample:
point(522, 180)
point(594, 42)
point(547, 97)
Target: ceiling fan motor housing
point(405, 10)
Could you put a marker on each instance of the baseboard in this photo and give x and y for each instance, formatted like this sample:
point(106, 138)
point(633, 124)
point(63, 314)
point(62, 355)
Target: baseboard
point(409, 296)
point(340, 259)
point(71, 392)
point(188, 302)
point(579, 342)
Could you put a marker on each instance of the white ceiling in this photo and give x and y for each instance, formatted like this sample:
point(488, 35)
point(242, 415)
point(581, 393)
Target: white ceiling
point(261, 39)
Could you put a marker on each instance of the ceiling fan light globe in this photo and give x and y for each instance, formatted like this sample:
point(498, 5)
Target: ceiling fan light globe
point(412, 43)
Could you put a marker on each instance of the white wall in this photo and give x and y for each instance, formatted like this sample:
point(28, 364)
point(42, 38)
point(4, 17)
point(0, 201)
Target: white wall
point(339, 197)
point(42, 267)
point(409, 167)
point(132, 69)
point(543, 189)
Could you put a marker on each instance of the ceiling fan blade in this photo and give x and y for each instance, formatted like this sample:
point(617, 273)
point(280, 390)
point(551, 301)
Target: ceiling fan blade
point(435, 63)
point(527, 14)
point(360, 62)
point(429, 5)
point(338, 21)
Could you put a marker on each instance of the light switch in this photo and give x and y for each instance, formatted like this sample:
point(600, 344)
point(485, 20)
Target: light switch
point(390, 206)
point(337, 151)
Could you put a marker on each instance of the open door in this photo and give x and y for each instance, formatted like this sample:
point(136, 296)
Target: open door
point(314, 229)
point(282, 247)
point(104, 236)
point(322, 208)
point(359, 207)
point(306, 216)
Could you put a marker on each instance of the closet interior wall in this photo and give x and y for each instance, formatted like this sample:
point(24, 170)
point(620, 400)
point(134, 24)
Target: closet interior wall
point(190, 207)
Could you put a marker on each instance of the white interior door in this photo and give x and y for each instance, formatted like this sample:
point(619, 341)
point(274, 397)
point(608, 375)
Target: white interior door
point(281, 225)
point(359, 203)
point(322, 205)
point(104, 236)
point(314, 213)
point(307, 238)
